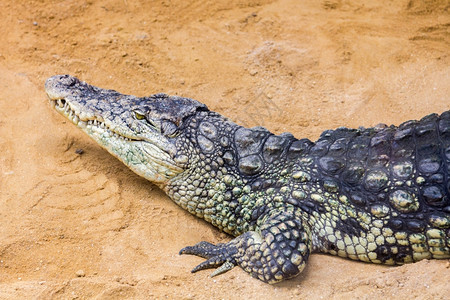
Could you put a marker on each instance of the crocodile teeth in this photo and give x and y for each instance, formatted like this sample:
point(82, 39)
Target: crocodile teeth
point(64, 107)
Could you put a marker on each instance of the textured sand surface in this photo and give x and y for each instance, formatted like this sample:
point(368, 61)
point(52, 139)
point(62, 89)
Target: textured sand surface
point(84, 226)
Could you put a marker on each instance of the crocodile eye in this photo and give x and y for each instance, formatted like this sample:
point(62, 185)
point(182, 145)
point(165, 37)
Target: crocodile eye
point(139, 116)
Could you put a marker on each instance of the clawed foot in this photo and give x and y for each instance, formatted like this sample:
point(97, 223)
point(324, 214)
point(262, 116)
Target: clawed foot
point(218, 256)
point(277, 251)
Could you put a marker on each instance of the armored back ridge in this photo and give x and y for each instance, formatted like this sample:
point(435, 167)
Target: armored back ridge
point(377, 195)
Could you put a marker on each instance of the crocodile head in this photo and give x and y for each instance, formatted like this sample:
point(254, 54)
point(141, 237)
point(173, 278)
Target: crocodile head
point(141, 132)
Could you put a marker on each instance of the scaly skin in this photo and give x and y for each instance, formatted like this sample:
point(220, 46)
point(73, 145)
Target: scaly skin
point(377, 195)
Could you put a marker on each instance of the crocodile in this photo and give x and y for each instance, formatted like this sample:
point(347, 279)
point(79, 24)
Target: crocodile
point(377, 195)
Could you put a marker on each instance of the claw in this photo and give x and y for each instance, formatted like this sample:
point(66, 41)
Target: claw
point(202, 249)
point(208, 264)
point(218, 256)
point(199, 246)
point(227, 266)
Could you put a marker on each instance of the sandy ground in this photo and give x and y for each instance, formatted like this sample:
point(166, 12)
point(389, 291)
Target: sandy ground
point(84, 226)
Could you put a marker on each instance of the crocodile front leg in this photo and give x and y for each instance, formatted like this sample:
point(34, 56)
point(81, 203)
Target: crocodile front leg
point(277, 250)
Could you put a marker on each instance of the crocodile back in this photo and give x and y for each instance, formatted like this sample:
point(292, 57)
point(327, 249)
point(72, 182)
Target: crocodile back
point(396, 176)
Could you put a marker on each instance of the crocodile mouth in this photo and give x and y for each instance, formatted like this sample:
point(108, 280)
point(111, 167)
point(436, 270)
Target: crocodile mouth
point(63, 107)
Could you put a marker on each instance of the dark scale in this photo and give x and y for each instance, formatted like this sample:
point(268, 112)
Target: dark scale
point(376, 195)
